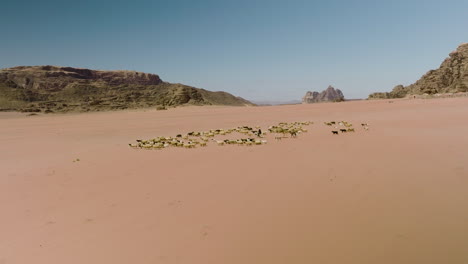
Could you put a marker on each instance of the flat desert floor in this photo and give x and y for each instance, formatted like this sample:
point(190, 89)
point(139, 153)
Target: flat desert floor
point(397, 193)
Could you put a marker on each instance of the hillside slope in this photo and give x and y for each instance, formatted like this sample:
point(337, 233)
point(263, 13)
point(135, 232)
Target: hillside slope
point(63, 89)
point(450, 77)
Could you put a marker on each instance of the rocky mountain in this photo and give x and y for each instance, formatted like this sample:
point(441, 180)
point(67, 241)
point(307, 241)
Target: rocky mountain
point(450, 77)
point(329, 95)
point(62, 89)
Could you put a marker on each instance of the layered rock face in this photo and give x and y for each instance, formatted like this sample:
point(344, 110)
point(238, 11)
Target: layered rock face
point(52, 78)
point(61, 89)
point(329, 95)
point(450, 77)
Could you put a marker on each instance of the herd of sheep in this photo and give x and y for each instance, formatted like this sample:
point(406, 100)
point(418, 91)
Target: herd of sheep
point(344, 127)
point(250, 135)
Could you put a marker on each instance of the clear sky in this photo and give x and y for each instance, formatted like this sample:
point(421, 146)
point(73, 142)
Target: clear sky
point(260, 50)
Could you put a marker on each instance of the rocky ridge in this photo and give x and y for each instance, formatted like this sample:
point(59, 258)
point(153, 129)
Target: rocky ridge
point(63, 89)
point(450, 77)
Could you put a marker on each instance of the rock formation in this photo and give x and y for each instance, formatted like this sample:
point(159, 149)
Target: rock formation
point(450, 77)
point(329, 95)
point(62, 89)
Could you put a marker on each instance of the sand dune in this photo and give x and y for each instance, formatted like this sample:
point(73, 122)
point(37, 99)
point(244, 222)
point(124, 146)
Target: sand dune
point(394, 194)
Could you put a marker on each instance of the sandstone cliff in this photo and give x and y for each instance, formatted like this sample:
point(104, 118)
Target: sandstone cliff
point(329, 95)
point(61, 89)
point(450, 77)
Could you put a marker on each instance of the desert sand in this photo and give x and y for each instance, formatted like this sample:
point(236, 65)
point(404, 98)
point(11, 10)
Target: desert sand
point(397, 193)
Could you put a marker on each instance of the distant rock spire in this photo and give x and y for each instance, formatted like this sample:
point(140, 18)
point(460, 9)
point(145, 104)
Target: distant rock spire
point(329, 95)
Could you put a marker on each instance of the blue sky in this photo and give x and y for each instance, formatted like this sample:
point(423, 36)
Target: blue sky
point(260, 50)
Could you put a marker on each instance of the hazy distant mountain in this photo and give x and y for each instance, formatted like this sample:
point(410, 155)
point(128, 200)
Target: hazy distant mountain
point(450, 77)
point(329, 95)
point(61, 89)
point(273, 102)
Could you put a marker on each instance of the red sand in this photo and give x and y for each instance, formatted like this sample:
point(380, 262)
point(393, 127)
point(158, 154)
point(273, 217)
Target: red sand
point(397, 193)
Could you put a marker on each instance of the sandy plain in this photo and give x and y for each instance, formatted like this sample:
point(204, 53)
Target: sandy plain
point(397, 193)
